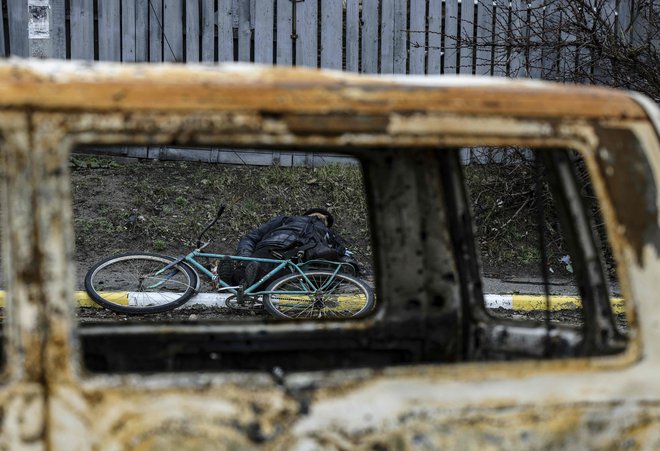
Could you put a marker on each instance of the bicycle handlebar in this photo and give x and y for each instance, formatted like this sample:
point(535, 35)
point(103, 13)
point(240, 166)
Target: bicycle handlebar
point(211, 224)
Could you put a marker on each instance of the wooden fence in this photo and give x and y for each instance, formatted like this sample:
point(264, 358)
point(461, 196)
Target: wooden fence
point(370, 36)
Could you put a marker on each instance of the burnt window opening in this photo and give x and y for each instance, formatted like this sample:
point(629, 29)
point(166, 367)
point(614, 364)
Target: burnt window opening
point(546, 272)
point(158, 200)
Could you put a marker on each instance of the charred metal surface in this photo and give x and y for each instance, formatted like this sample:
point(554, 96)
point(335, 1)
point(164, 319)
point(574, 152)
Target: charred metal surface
point(336, 124)
point(49, 401)
point(632, 186)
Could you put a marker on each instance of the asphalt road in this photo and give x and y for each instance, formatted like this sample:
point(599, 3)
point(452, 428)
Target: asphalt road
point(563, 286)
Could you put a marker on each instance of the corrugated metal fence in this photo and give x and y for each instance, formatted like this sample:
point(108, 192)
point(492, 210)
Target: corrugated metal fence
point(498, 37)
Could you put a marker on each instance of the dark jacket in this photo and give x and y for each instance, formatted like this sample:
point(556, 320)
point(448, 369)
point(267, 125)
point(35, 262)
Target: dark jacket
point(290, 232)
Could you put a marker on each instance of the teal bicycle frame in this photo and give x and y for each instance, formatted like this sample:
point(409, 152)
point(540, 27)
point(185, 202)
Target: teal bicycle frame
point(252, 289)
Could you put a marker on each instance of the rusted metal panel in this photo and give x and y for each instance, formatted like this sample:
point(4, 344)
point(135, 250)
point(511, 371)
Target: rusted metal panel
point(49, 401)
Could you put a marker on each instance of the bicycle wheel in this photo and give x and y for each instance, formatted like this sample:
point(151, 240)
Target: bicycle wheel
point(321, 294)
point(138, 283)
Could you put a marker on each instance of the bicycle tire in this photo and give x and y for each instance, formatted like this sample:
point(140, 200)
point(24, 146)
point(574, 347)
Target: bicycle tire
point(347, 296)
point(113, 283)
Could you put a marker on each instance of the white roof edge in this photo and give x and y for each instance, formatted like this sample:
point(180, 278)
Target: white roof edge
point(649, 107)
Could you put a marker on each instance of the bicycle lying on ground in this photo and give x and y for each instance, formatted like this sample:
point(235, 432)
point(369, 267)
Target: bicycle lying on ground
point(150, 283)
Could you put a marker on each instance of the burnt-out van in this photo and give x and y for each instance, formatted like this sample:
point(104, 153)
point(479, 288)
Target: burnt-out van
point(544, 335)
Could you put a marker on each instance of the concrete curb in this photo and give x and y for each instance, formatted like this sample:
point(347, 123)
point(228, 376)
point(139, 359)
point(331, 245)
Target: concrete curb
point(515, 302)
point(528, 303)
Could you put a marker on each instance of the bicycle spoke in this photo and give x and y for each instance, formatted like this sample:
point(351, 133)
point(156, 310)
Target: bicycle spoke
point(311, 306)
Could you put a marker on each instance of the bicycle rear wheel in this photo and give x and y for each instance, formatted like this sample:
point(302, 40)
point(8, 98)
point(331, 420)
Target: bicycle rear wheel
point(321, 294)
point(139, 283)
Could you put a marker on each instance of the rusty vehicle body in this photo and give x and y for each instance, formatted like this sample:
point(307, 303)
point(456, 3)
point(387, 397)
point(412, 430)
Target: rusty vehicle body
point(445, 399)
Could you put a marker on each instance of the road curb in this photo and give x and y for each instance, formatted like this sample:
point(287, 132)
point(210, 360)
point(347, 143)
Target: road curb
point(528, 303)
point(514, 302)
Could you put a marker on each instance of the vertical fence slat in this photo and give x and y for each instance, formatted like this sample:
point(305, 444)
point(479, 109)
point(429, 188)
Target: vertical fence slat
point(244, 31)
point(387, 38)
point(417, 36)
point(518, 63)
point(263, 31)
point(394, 37)
point(284, 48)
point(534, 60)
point(173, 30)
point(451, 37)
point(551, 40)
point(156, 43)
point(142, 31)
point(82, 29)
point(142, 36)
point(370, 36)
point(583, 56)
point(109, 30)
point(484, 33)
point(654, 24)
point(607, 21)
point(467, 32)
point(307, 23)
point(192, 31)
point(2, 32)
point(234, 13)
point(134, 34)
point(225, 31)
point(434, 37)
point(501, 32)
point(331, 33)
point(400, 36)
point(58, 28)
point(352, 35)
point(208, 30)
point(17, 15)
point(624, 13)
point(568, 50)
point(640, 23)
point(128, 31)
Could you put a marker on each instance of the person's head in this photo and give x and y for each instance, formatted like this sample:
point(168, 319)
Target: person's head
point(321, 213)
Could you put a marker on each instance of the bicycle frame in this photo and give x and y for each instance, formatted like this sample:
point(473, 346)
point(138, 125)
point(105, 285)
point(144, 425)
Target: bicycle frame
point(252, 289)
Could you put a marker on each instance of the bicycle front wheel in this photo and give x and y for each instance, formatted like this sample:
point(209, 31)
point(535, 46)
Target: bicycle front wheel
point(140, 283)
point(319, 294)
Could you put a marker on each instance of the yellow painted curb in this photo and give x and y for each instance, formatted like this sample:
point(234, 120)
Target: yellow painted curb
point(518, 302)
point(528, 303)
point(81, 297)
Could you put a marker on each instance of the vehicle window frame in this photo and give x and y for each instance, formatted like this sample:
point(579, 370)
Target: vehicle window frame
point(119, 136)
